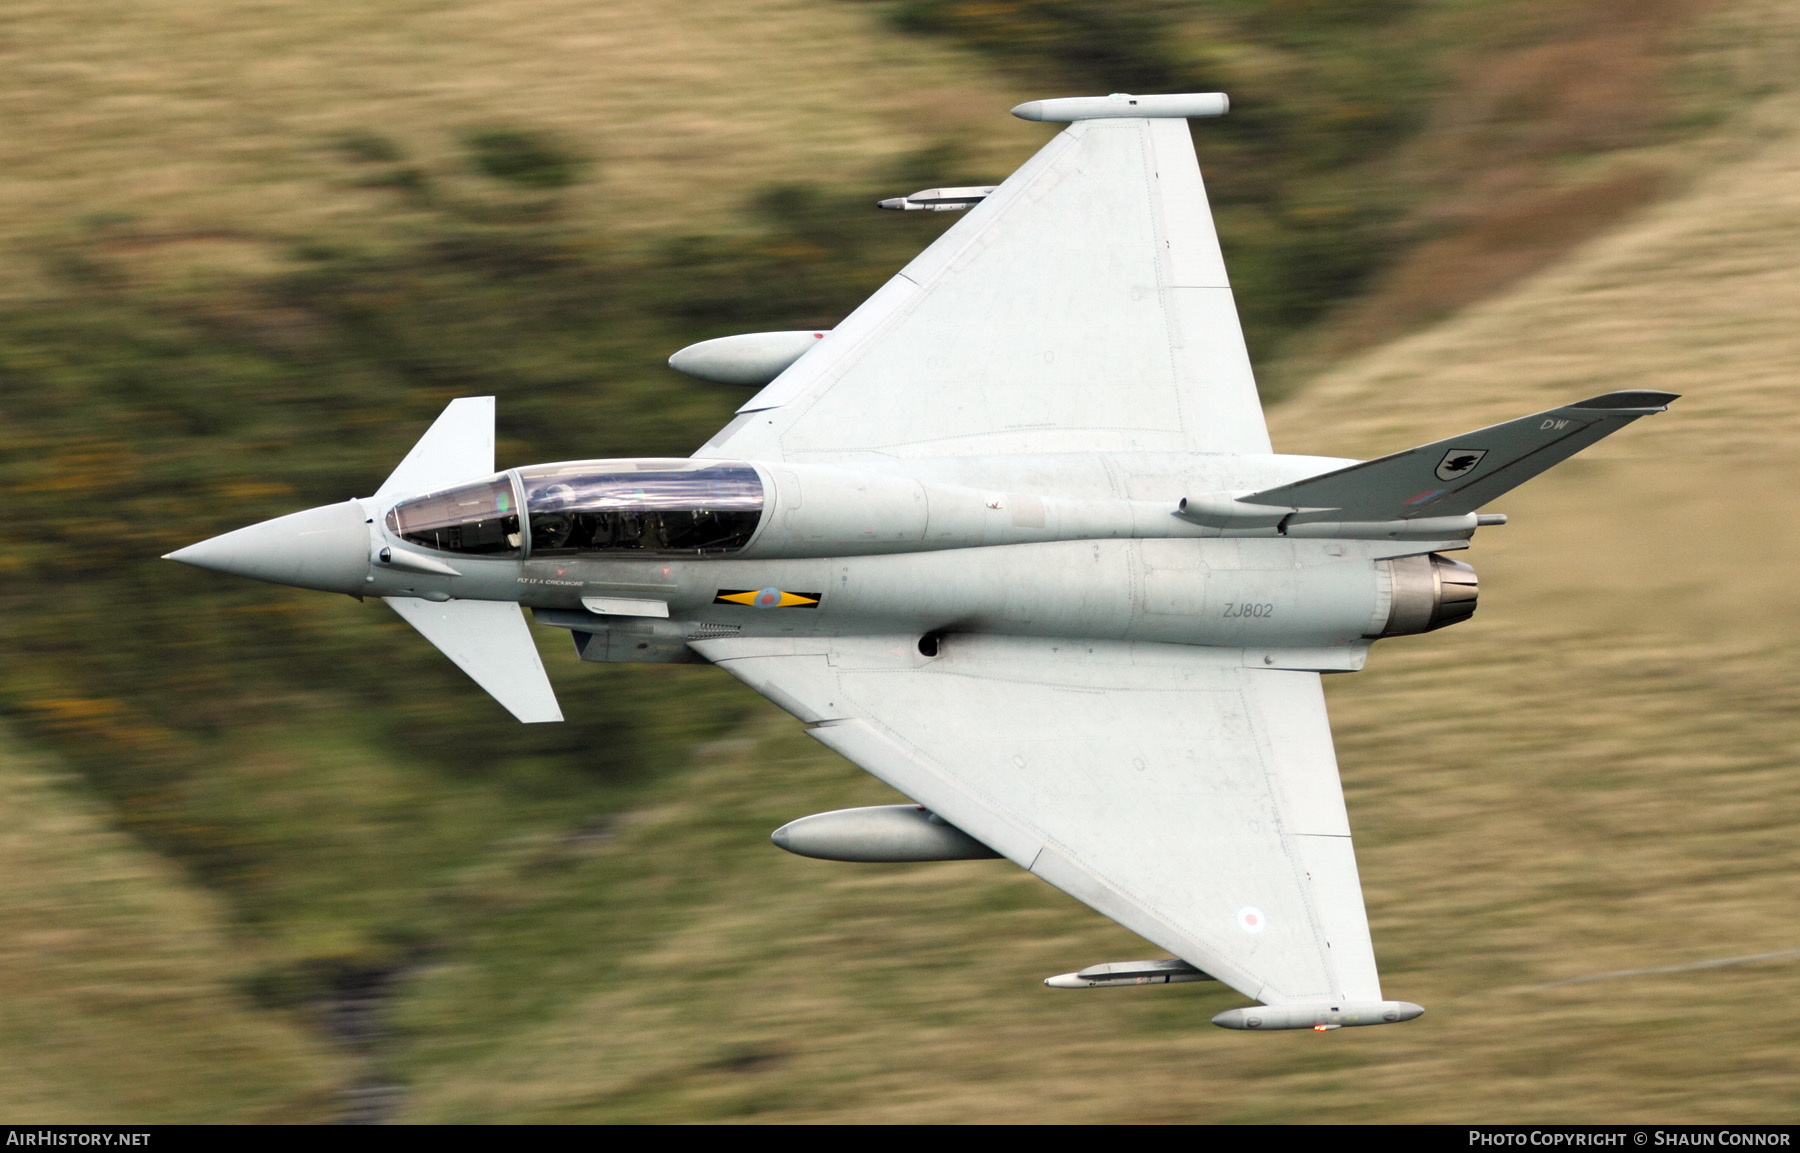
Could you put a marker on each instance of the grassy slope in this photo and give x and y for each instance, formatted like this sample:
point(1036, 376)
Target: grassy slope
point(118, 995)
point(211, 115)
point(1595, 775)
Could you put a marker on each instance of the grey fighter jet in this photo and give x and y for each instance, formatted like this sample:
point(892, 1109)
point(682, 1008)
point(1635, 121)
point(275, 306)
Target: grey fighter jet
point(1012, 538)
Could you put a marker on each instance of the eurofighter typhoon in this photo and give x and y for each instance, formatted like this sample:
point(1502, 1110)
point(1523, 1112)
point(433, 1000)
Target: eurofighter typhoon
point(1013, 539)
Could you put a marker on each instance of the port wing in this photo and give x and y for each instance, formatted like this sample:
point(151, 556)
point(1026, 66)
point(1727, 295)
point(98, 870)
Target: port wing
point(1190, 798)
point(1082, 307)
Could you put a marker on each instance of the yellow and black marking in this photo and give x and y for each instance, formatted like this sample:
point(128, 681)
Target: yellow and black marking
point(768, 598)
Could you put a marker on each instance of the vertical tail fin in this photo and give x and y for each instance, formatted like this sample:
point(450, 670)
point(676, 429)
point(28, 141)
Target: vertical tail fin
point(1457, 476)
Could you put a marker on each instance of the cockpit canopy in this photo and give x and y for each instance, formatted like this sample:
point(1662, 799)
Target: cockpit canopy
point(690, 508)
point(480, 518)
point(658, 507)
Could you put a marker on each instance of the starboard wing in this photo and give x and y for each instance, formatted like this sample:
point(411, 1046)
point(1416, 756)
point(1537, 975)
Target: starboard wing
point(1190, 798)
point(1081, 307)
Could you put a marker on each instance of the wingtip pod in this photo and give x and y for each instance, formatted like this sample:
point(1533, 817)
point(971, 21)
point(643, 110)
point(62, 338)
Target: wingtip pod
point(1125, 106)
point(1322, 1018)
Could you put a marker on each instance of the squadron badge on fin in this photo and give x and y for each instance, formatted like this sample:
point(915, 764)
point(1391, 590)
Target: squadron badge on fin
point(1459, 462)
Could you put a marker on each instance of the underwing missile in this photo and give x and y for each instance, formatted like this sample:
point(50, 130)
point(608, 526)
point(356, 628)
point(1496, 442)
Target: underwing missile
point(1168, 971)
point(937, 200)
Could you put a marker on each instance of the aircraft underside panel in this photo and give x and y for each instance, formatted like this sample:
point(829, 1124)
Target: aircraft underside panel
point(1191, 799)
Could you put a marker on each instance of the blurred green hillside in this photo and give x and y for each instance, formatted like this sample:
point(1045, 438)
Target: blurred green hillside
point(273, 858)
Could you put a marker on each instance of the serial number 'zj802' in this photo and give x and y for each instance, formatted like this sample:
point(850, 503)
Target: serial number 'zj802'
point(1239, 609)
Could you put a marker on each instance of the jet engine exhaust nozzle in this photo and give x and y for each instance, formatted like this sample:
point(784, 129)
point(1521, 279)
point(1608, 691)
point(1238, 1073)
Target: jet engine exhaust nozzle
point(1429, 592)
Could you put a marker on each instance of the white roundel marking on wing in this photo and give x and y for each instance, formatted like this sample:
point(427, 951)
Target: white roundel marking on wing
point(1251, 919)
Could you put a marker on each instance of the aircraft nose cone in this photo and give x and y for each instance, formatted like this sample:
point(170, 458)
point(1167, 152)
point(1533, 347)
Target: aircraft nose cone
point(324, 548)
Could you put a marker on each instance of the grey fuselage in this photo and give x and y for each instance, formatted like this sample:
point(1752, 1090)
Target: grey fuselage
point(1080, 546)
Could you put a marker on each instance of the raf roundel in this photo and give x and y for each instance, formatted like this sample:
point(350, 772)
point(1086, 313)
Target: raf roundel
point(1251, 919)
point(768, 598)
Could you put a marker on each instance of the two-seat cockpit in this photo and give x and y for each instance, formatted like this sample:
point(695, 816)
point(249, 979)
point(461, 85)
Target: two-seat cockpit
point(655, 507)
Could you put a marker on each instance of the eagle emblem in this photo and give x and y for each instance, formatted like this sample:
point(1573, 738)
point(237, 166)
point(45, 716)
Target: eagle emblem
point(1459, 462)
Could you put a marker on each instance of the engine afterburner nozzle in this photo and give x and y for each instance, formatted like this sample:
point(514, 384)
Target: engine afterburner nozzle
point(325, 548)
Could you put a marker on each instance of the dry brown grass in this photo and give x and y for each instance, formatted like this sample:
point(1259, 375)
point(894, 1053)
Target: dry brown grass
point(117, 995)
point(221, 114)
point(1555, 128)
